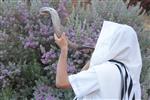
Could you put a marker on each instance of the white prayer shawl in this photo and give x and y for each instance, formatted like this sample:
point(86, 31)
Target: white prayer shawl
point(118, 42)
point(102, 81)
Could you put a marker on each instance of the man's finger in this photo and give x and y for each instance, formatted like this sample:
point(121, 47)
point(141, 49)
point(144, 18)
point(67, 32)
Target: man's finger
point(55, 37)
point(64, 35)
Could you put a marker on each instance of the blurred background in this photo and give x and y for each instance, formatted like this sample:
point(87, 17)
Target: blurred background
point(28, 54)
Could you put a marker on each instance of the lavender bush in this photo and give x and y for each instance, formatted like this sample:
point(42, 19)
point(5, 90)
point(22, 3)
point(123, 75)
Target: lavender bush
point(28, 54)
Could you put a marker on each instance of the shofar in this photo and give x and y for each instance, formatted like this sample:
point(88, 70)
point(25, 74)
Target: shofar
point(58, 27)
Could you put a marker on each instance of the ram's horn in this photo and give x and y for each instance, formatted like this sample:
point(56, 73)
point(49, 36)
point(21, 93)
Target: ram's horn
point(55, 19)
point(57, 25)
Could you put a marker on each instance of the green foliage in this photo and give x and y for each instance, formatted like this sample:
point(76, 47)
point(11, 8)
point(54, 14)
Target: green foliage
point(82, 26)
point(6, 94)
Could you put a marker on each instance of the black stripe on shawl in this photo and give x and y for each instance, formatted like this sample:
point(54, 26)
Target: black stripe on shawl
point(122, 90)
point(130, 87)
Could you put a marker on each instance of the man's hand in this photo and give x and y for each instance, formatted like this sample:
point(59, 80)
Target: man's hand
point(62, 80)
point(62, 42)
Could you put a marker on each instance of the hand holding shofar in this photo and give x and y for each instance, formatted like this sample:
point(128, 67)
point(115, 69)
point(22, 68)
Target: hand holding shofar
point(48, 11)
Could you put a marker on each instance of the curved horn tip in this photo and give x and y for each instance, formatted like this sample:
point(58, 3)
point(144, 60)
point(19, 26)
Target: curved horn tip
point(46, 9)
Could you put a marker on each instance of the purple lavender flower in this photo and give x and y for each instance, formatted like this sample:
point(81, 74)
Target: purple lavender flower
point(44, 30)
point(2, 77)
point(42, 92)
point(45, 61)
point(48, 56)
point(50, 97)
point(39, 97)
point(23, 12)
point(4, 22)
point(62, 10)
point(71, 69)
point(5, 71)
point(30, 43)
point(31, 32)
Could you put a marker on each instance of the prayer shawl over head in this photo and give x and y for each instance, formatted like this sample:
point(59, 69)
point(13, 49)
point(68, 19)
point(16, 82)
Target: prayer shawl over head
point(119, 42)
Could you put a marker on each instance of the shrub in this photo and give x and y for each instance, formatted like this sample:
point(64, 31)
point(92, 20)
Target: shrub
point(28, 54)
